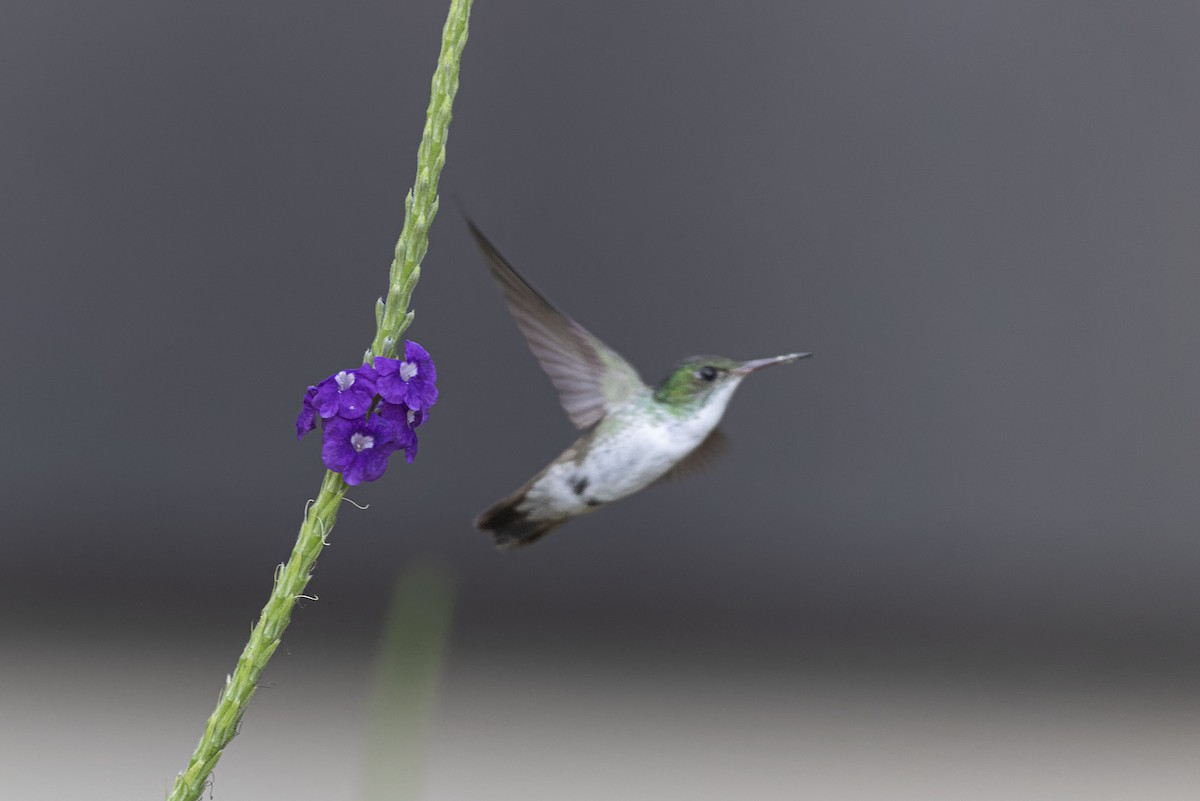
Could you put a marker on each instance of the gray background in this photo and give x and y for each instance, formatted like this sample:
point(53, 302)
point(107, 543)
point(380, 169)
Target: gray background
point(982, 217)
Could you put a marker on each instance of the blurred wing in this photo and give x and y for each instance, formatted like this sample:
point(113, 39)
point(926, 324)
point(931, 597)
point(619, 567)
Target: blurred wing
point(707, 452)
point(591, 378)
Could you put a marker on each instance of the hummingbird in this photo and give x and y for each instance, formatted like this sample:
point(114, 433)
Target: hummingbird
point(633, 434)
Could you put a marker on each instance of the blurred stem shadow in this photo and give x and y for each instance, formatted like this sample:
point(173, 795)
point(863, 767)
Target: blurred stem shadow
point(408, 665)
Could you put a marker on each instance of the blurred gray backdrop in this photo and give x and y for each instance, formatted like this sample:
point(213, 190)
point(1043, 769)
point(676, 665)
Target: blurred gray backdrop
point(983, 217)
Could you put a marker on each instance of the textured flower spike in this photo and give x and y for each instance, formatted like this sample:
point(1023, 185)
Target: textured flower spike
point(358, 436)
point(411, 380)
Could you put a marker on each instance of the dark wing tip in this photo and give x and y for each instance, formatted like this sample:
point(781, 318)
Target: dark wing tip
point(516, 288)
point(475, 232)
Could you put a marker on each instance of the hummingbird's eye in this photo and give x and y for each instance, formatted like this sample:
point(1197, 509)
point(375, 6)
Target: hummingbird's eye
point(707, 372)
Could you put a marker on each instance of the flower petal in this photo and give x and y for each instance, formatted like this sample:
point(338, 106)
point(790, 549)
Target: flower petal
point(307, 419)
point(357, 465)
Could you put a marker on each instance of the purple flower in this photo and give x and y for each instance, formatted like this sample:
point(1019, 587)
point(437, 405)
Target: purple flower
point(404, 422)
point(348, 393)
point(358, 449)
point(362, 428)
point(307, 420)
point(411, 380)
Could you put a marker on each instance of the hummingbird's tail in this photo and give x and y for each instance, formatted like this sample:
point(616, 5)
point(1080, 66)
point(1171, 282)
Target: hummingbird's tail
point(512, 528)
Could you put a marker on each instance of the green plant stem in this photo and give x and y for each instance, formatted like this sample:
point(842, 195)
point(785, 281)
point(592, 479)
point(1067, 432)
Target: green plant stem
point(421, 204)
point(392, 318)
point(290, 581)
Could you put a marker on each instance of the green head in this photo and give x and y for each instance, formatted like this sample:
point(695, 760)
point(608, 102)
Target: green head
point(697, 380)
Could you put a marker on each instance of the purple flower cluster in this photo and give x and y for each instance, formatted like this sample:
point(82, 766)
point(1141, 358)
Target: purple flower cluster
point(371, 412)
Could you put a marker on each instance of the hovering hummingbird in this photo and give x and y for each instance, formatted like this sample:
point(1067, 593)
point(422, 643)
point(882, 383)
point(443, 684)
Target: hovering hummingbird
point(633, 434)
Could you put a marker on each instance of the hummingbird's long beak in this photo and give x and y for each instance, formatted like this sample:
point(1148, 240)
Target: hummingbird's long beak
point(754, 364)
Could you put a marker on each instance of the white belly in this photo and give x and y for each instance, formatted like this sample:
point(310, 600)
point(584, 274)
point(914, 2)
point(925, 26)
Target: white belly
point(630, 452)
